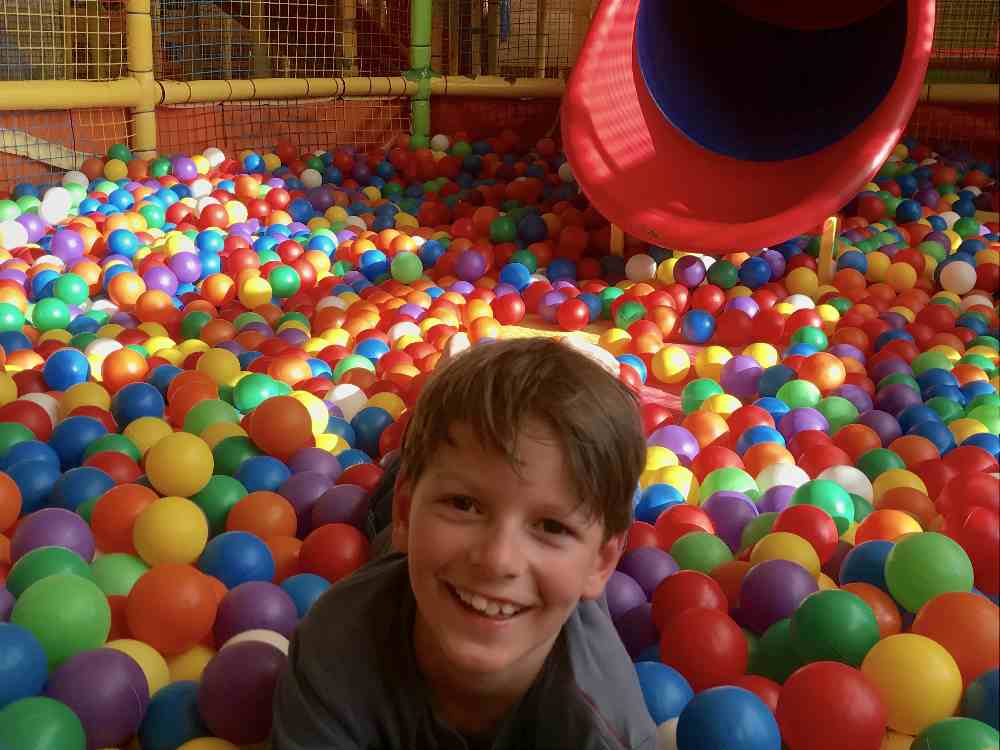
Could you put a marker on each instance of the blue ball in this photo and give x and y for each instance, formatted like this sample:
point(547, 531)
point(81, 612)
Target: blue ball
point(655, 499)
point(35, 480)
point(305, 589)
point(908, 210)
point(911, 416)
point(78, 486)
point(353, 457)
point(937, 432)
point(985, 440)
point(161, 378)
point(664, 689)
point(29, 450)
point(172, 717)
point(773, 378)
point(24, 666)
point(866, 564)
point(981, 701)
point(515, 274)
point(342, 428)
point(368, 425)
point(71, 437)
point(562, 269)
point(773, 406)
point(235, 557)
point(758, 434)
point(532, 228)
point(635, 363)
point(697, 326)
point(755, 272)
point(372, 349)
point(853, 259)
point(934, 377)
point(137, 400)
point(262, 473)
point(727, 717)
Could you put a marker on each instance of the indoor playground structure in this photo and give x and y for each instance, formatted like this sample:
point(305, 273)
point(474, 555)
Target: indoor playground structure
point(238, 237)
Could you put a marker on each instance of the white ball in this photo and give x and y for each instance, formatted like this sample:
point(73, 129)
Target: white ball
point(778, 474)
point(975, 299)
point(404, 328)
point(958, 277)
point(800, 302)
point(349, 398)
point(440, 142)
point(102, 347)
point(105, 305)
point(204, 202)
point(214, 155)
point(75, 177)
point(12, 234)
point(356, 221)
point(418, 241)
point(851, 479)
point(566, 172)
point(270, 637)
point(311, 178)
point(666, 735)
point(51, 260)
point(200, 188)
point(332, 301)
point(45, 401)
point(973, 189)
point(950, 217)
point(640, 267)
point(55, 205)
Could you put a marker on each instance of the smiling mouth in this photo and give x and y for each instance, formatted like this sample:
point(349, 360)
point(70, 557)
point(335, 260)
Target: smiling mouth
point(489, 608)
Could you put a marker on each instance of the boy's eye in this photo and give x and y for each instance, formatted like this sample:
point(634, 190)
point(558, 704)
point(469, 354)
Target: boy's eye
point(551, 526)
point(461, 502)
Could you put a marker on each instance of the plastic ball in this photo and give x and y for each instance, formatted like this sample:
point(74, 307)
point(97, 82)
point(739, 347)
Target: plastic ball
point(834, 626)
point(237, 691)
point(705, 645)
point(922, 566)
point(726, 718)
point(665, 690)
point(967, 625)
point(25, 666)
point(179, 464)
point(20, 722)
point(957, 734)
point(170, 530)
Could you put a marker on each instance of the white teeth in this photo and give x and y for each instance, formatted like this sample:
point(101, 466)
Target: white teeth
point(488, 607)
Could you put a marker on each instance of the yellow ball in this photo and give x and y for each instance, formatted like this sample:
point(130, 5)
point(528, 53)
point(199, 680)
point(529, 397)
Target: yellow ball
point(221, 365)
point(256, 291)
point(965, 428)
point(681, 479)
point(671, 364)
point(802, 280)
point(781, 545)
point(170, 530)
point(765, 354)
point(878, 266)
point(84, 394)
point(331, 443)
point(388, 401)
point(190, 664)
point(722, 404)
point(826, 583)
point(216, 433)
point(8, 389)
point(146, 432)
point(658, 457)
point(709, 362)
point(208, 743)
point(115, 169)
point(615, 340)
point(152, 664)
point(901, 276)
point(828, 313)
point(896, 478)
point(665, 271)
point(179, 464)
point(319, 415)
point(917, 679)
point(896, 741)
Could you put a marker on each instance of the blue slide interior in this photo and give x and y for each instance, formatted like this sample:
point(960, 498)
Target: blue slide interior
point(758, 92)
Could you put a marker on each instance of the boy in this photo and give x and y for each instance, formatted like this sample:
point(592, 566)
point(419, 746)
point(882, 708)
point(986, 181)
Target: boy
point(485, 630)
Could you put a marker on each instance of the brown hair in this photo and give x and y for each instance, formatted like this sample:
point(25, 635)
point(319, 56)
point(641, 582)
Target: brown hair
point(497, 387)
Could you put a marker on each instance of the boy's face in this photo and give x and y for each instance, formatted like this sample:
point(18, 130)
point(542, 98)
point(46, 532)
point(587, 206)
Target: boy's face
point(498, 558)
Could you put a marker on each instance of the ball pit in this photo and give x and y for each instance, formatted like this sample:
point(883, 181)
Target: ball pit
point(206, 366)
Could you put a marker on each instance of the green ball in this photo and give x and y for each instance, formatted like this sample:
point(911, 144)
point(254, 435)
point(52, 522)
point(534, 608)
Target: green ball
point(628, 313)
point(114, 443)
point(43, 562)
point(934, 249)
point(461, 149)
point(244, 319)
point(725, 479)
point(231, 452)
point(831, 497)
point(86, 509)
point(503, 229)
point(11, 319)
point(758, 528)
point(799, 394)
point(862, 509)
point(812, 336)
point(406, 268)
point(988, 415)
point(878, 461)
point(351, 362)
point(775, 657)
point(930, 361)
point(119, 151)
point(838, 411)
point(12, 433)
point(159, 167)
point(66, 613)
point(608, 296)
point(209, 412)
point(899, 377)
point(71, 289)
point(957, 734)
point(919, 567)
point(966, 227)
point(9, 210)
point(252, 390)
point(22, 721)
point(217, 498)
point(723, 274)
point(978, 360)
point(50, 314)
point(695, 393)
point(117, 573)
point(29, 204)
point(701, 551)
point(154, 215)
point(193, 322)
point(527, 259)
point(945, 408)
point(834, 625)
point(284, 281)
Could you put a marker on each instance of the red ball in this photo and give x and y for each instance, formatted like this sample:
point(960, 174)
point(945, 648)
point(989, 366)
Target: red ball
point(118, 466)
point(653, 415)
point(734, 328)
point(817, 458)
point(765, 689)
point(573, 315)
point(706, 646)
point(333, 551)
point(686, 589)
point(641, 534)
point(748, 416)
point(830, 706)
point(970, 459)
point(708, 297)
point(769, 326)
point(363, 475)
point(814, 525)
point(714, 457)
point(979, 536)
point(29, 414)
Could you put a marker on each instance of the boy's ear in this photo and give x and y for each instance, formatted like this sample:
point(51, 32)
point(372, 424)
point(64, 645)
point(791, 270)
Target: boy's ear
point(401, 515)
point(608, 555)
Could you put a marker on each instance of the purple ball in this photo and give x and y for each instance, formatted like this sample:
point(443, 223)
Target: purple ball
point(648, 566)
point(846, 350)
point(236, 693)
point(776, 499)
point(623, 593)
point(33, 224)
point(52, 527)
point(549, 305)
point(730, 513)
point(183, 168)
point(255, 605)
point(316, 460)
point(740, 375)
point(342, 503)
point(776, 261)
point(896, 398)
point(773, 590)
point(744, 304)
point(802, 419)
point(470, 266)
point(67, 244)
point(412, 311)
point(6, 603)
point(462, 287)
point(14, 274)
point(108, 692)
point(894, 319)
point(928, 197)
point(890, 366)
point(689, 271)
point(884, 424)
point(231, 346)
point(160, 278)
point(186, 267)
point(857, 396)
point(637, 629)
point(294, 336)
point(677, 439)
point(302, 491)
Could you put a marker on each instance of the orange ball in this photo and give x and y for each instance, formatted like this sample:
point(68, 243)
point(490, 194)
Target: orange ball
point(886, 525)
point(909, 500)
point(887, 615)
point(285, 550)
point(824, 370)
point(122, 367)
point(281, 426)
point(190, 377)
point(706, 426)
point(10, 502)
point(265, 514)
point(856, 440)
point(914, 449)
point(289, 369)
point(125, 288)
point(758, 457)
point(968, 626)
point(172, 608)
point(114, 516)
point(334, 551)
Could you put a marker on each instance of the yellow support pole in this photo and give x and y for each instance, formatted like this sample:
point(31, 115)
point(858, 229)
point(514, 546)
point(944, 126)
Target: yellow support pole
point(193, 92)
point(49, 95)
point(617, 240)
point(541, 35)
point(454, 38)
point(827, 246)
point(476, 34)
point(493, 38)
point(498, 88)
point(139, 41)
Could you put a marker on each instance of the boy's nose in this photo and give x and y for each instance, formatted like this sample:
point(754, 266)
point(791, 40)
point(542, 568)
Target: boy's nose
point(499, 552)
